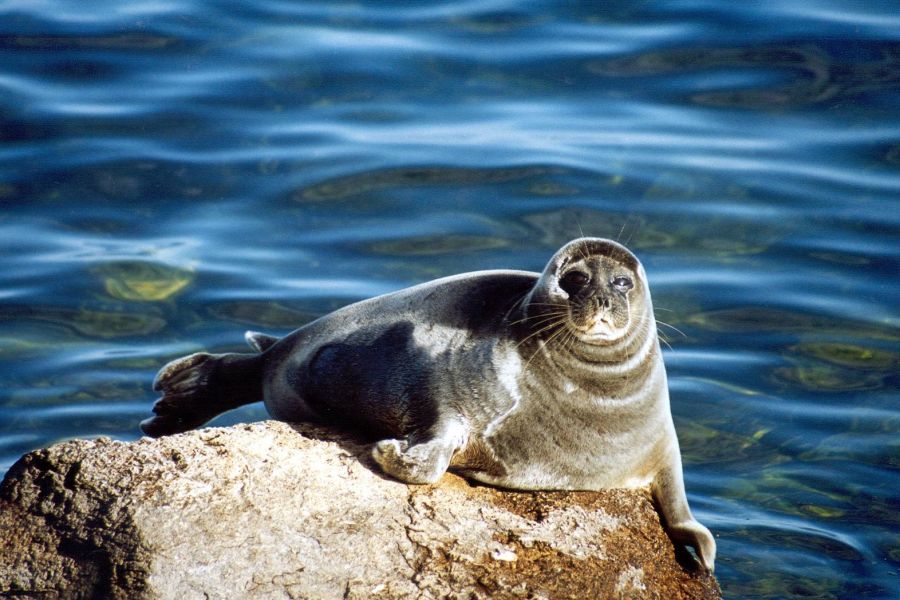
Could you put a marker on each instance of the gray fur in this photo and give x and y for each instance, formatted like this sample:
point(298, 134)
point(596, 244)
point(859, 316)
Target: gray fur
point(517, 379)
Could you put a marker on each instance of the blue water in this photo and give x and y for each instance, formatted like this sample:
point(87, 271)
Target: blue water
point(172, 173)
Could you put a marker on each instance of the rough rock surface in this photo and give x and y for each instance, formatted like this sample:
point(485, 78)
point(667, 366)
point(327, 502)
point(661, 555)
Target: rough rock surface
point(271, 510)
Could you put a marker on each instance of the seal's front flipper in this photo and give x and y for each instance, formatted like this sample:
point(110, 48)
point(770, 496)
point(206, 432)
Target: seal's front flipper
point(423, 462)
point(692, 533)
point(679, 523)
point(198, 387)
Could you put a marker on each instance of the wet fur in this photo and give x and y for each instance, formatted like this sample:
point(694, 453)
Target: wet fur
point(497, 374)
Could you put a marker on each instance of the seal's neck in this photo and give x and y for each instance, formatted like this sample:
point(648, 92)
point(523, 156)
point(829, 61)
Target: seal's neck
point(611, 370)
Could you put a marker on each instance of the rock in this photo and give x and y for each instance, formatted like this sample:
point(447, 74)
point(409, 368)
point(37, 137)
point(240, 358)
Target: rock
point(272, 510)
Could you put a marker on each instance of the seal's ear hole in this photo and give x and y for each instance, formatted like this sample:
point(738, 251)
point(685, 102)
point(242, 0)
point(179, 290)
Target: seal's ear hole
point(573, 282)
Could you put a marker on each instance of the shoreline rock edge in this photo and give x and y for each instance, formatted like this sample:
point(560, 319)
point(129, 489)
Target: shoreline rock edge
point(276, 510)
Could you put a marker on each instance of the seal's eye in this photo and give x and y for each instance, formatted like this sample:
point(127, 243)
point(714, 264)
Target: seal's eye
point(623, 284)
point(573, 281)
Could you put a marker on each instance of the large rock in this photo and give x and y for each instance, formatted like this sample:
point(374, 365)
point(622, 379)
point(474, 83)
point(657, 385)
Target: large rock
point(271, 510)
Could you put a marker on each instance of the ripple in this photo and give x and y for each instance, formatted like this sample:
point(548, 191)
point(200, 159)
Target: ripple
point(174, 172)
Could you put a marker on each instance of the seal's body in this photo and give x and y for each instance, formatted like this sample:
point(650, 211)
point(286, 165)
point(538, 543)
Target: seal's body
point(517, 379)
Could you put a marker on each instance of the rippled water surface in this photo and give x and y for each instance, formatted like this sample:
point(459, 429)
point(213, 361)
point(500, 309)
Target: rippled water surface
point(172, 173)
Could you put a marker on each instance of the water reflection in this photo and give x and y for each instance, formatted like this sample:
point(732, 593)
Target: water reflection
point(172, 174)
point(142, 280)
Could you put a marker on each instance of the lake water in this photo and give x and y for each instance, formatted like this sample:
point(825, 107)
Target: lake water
point(173, 173)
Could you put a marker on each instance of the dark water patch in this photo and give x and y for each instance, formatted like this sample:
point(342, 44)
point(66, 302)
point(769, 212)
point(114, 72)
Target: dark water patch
point(16, 130)
point(892, 155)
point(721, 236)
point(119, 41)
point(797, 576)
point(118, 184)
point(821, 544)
point(416, 177)
point(438, 244)
point(495, 22)
point(842, 258)
point(850, 355)
point(552, 189)
point(78, 70)
point(816, 74)
point(880, 448)
point(263, 314)
point(825, 378)
point(87, 321)
point(708, 444)
point(556, 227)
point(83, 399)
point(754, 319)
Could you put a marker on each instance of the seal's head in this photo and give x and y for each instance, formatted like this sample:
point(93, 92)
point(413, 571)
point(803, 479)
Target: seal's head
point(596, 288)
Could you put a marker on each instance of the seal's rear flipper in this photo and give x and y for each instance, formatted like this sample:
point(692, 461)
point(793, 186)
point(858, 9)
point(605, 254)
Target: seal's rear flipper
point(259, 341)
point(198, 387)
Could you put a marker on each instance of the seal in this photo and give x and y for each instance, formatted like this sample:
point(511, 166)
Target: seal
point(530, 381)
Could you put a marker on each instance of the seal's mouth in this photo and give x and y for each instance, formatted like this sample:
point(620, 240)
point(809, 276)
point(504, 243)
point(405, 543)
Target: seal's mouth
point(597, 329)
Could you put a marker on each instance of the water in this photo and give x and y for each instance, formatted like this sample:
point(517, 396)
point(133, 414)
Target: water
point(172, 173)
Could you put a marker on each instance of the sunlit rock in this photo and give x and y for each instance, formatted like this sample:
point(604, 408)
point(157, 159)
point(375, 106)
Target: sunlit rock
point(271, 510)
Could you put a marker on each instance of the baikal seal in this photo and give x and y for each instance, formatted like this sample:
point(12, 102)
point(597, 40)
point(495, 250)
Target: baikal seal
point(529, 381)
